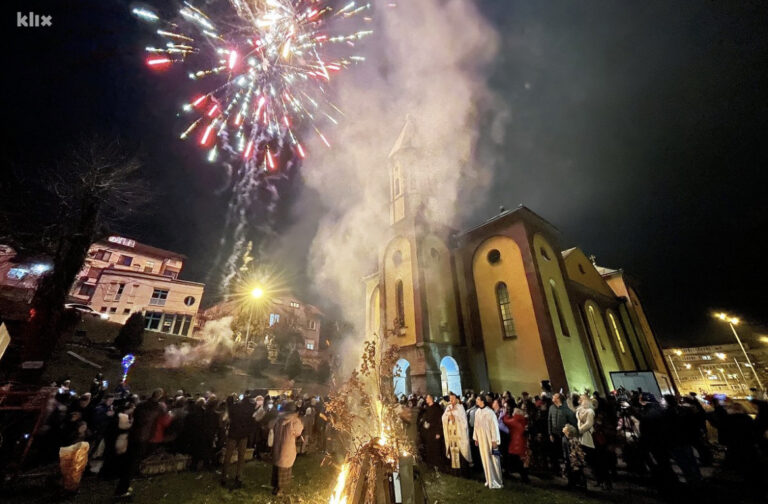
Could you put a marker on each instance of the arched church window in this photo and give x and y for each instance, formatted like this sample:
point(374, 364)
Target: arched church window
point(397, 258)
point(505, 311)
point(558, 308)
point(581, 269)
point(544, 254)
point(494, 256)
point(616, 332)
point(593, 324)
point(400, 303)
point(435, 254)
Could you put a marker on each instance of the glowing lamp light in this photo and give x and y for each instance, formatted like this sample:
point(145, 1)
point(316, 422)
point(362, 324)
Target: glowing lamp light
point(720, 355)
point(257, 293)
point(678, 352)
point(687, 366)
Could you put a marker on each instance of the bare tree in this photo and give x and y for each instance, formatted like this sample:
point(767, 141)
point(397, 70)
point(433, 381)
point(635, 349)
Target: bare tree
point(95, 187)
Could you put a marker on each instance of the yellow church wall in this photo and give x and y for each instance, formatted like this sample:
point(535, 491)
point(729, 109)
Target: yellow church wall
point(392, 273)
point(640, 347)
point(645, 331)
point(580, 269)
point(601, 340)
point(435, 259)
point(572, 352)
point(518, 363)
point(373, 310)
point(620, 342)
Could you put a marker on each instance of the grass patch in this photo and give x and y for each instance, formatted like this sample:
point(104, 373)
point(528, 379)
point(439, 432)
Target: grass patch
point(312, 485)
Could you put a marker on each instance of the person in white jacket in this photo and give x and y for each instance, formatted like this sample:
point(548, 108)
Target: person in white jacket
point(487, 439)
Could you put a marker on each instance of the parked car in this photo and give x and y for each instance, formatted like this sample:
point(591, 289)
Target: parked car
point(87, 310)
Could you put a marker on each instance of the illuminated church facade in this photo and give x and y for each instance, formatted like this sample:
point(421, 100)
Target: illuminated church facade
point(501, 306)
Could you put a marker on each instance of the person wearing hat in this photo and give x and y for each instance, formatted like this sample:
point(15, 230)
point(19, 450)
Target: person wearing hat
point(287, 428)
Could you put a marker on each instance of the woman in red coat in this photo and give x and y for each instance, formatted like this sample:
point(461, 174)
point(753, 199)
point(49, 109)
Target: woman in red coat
point(518, 442)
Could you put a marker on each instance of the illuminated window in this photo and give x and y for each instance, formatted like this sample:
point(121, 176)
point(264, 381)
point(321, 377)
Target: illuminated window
point(310, 344)
point(706, 357)
point(400, 302)
point(505, 311)
point(593, 324)
point(17, 273)
point(274, 318)
point(294, 304)
point(120, 289)
point(616, 331)
point(312, 325)
point(124, 260)
point(149, 266)
point(558, 308)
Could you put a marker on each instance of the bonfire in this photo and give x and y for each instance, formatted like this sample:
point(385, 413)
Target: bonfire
point(364, 413)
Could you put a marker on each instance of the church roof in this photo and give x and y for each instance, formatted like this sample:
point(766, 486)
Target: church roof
point(406, 138)
point(520, 209)
point(566, 253)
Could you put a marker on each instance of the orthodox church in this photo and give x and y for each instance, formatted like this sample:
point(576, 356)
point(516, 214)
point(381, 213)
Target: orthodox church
point(501, 306)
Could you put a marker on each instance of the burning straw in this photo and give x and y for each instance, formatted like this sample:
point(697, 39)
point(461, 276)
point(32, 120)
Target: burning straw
point(364, 413)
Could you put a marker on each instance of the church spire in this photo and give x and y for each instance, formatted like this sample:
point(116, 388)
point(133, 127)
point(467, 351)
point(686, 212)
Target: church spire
point(407, 137)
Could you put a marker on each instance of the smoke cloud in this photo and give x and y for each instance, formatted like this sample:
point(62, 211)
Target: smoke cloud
point(427, 59)
point(217, 341)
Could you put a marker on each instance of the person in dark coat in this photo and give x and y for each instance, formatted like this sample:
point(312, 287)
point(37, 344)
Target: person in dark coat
point(211, 428)
point(431, 430)
point(144, 419)
point(240, 429)
point(194, 431)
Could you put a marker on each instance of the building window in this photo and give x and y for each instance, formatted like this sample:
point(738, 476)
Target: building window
point(494, 256)
point(544, 254)
point(170, 274)
point(87, 290)
point(558, 308)
point(103, 309)
point(310, 344)
point(294, 304)
point(312, 324)
point(120, 289)
point(124, 260)
point(149, 266)
point(400, 303)
point(581, 269)
point(152, 320)
point(185, 327)
point(435, 254)
point(593, 324)
point(706, 357)
point(126, 311)
point(167, 322)
point(102, 255)
point(189, 300)
point(616, 332)
point(274, 318)
point(158, 297)
point(505, 311)
point(113, 309)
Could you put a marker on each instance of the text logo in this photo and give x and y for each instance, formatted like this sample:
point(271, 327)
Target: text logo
point(32, 20)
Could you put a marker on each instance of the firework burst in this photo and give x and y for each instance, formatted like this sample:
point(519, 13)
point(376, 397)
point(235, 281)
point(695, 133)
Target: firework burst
point(263, 68)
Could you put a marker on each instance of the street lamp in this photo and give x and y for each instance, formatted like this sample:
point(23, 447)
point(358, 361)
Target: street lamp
point(733, 322)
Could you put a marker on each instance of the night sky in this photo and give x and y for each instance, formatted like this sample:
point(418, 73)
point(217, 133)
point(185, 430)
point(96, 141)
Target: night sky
point(637, 128)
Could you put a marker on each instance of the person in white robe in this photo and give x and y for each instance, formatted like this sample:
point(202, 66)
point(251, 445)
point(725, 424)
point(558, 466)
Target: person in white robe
point(487, 439)
point(456, 433)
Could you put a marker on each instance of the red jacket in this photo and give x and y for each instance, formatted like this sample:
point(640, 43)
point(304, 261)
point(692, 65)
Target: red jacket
point(517, 442)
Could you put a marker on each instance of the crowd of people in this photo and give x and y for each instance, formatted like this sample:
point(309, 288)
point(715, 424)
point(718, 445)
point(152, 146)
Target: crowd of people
point(123, 430)
point(575, 435)
point(488, 436)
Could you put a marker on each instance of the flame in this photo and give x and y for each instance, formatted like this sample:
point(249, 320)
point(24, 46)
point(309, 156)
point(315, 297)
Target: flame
point(338, 496)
